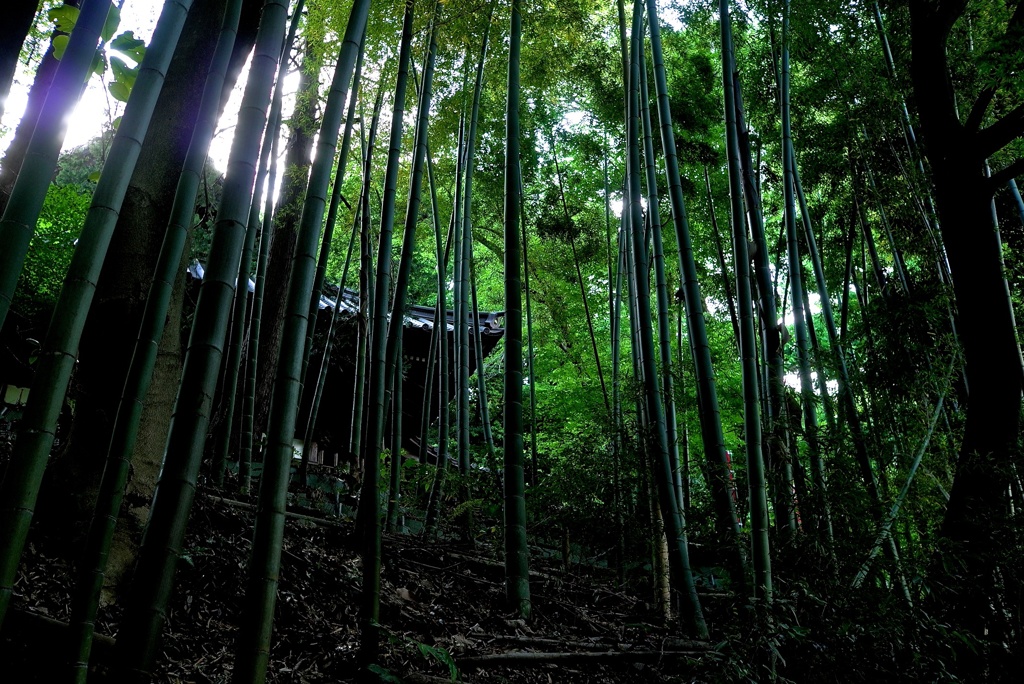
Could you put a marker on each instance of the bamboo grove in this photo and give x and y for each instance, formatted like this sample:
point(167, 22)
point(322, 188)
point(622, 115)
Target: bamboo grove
point(757, 268)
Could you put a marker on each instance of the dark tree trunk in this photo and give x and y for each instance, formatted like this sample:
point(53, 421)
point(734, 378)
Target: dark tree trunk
point(975, 517)
point(13, 30)
point(298, 157)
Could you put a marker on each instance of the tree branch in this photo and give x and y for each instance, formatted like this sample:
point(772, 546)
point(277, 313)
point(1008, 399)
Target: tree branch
point(1001, 178)
point(979, 109)
point(985, 98)
point(993, 138)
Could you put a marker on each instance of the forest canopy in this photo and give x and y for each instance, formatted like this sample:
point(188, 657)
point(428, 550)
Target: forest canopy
point(717, 298)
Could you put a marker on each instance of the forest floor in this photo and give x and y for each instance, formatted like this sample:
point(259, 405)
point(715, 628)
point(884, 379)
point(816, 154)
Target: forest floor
point(442, 607)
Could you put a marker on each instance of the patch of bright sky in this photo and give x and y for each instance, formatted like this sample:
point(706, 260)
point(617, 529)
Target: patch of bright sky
point(97, 109)
point(793, 380)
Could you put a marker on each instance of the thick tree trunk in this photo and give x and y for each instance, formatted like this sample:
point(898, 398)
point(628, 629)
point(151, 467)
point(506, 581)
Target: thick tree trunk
point(975, 517)
point(120, 298)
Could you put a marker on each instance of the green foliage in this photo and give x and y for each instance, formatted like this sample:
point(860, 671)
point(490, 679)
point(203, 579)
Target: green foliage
point(65, 17)
point(50, 250)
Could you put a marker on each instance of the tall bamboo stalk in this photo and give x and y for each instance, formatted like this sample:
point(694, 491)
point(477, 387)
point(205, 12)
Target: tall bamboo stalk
point(481, 377)
point(146, 605)
point(253, 647)
point(395, 484)
point(366, 283)
point(796, 283)
point(93, 562)
point(517, 573)
point(675, 526)
point(401, 288)
point(707, 396)
point(328, 232)
point(745, 308)
point(310, 388)
point(26, 201)
point(440, 320)
point(56, 361)
point(530, 355)
point(325, 361)
point(233, 362)
point(369, 501)
point(265, 174)
point(661, 283)
point(467, 289)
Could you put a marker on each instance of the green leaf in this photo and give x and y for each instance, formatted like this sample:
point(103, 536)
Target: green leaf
point(111, 24)
point(60, 44)
point(119, 91)
point(115, 123)
point(95, 175)
point(122, 72)
point(442, 656)
point(130, 46)
point(65, 17)
point(99, 63)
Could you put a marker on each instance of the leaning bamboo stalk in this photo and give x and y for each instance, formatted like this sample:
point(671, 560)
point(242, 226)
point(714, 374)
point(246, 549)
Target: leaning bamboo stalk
point(137, 645)
point(56, 362)
point(1018, 202)
point(748, 351)
point(711, 422)
point(253, 647)
point(886, 527)
point(93, 563)
point(26, 201)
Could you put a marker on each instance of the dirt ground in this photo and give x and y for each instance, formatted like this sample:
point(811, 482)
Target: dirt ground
point(442, 608)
